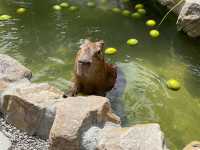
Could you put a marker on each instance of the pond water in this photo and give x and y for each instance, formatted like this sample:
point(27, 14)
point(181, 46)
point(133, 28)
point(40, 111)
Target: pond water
point(46, 42)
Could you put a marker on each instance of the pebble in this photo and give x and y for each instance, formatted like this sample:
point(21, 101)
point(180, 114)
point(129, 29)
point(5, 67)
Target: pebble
point(21, 140)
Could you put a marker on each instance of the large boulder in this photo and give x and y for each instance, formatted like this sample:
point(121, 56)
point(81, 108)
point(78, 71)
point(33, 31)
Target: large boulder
point(138, 137)
point(74, 116)
point(189, 18)
point(11, 70)
point(30, 107)
point(170, 4)
point(5, 142)
point(195, 145)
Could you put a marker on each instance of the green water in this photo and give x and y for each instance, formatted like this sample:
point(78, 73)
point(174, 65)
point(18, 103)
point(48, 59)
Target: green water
point(46, 42)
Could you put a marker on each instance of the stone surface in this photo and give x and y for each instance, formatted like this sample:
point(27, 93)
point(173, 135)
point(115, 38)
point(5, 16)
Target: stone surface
point(90, 138)
point(76, 115)
point(30, 107)
point(189, 18)
point(195, 145)
point(138, 137)
point(170, 4)
point(11, 70)
point(5, 142)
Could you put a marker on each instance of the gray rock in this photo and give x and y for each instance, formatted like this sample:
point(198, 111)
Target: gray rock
point(90, 138)
point(170, 4)
point(138, 137)
point(76, 115)
point(11, 71)
point(189, 18)
point(5, 142)
point(30, 107)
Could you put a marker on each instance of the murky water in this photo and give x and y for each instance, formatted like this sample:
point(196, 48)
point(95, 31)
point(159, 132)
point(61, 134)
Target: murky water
point(46, 42)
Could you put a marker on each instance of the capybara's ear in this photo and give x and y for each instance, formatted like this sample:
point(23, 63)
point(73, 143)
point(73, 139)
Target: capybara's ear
point(100, 44)
point(85, 43)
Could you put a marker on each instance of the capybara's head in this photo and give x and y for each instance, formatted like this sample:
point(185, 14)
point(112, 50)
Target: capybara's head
point(90, 58)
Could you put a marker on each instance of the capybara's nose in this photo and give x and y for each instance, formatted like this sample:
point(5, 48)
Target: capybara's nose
point(84, 62)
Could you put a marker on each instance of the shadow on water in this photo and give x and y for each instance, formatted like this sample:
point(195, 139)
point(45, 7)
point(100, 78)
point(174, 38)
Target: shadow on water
point(188, 50)
point(115, 95)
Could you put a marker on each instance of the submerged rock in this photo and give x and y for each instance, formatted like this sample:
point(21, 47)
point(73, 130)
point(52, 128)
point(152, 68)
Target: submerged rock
point(189, 18)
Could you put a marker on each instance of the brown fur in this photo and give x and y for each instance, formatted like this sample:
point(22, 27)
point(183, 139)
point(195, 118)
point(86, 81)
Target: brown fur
point(93, 76)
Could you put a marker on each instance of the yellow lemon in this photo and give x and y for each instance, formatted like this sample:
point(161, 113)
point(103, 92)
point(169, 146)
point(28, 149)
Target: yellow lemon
point(132, 42)
point(154, 33)
point(151, 22)
point(21, 11)
point(110, 50)
point(5, 17)
point(173, 84)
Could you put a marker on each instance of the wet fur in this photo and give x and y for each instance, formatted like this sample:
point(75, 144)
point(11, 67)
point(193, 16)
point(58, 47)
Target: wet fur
point(101, 78)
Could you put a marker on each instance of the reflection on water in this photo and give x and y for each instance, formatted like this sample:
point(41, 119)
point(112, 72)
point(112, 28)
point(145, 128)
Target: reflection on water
point(47, 41)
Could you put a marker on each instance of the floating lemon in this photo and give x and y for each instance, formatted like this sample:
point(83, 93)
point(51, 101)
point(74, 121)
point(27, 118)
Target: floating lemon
point(56, 7)
point(136, 15)
point(125, 1)
point(21, 11)
point(126, 12)
point(5, 17)
point(116, 10)
point(110, 50)
point(154, 33)
point(73, 8)
point(141, 11)
point(104, 1)
point(139, 6)
point(132, 42)
point(91, 4)
point(151, 23)
point(173, 84)
point(64, 4)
